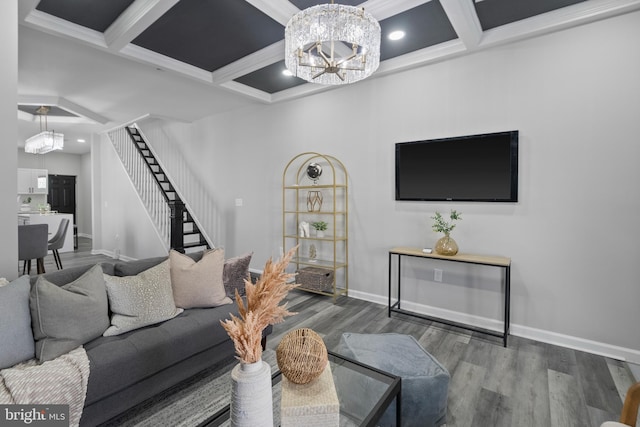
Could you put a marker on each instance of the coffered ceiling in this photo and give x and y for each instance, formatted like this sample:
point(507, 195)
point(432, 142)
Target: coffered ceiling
point(238, 44)
point(102, 63)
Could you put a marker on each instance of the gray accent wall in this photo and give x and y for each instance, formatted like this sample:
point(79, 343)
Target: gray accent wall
point(574, 237)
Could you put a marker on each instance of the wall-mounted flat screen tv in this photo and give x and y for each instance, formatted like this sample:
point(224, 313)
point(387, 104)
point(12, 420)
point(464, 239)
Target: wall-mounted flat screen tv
point(474, 168)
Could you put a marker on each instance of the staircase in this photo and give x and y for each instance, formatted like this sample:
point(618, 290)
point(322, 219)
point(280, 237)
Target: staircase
point(174, 222)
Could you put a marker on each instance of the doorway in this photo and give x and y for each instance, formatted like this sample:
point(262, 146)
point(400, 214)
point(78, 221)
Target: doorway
point(62, 194)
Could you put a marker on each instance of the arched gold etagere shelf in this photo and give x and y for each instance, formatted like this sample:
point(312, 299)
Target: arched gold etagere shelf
point(315, 190)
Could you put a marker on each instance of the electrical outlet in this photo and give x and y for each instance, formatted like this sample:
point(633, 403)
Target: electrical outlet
point(437, 275)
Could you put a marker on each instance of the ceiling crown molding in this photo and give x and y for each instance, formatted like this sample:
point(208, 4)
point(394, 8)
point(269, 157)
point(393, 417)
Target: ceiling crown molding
point(84, 114)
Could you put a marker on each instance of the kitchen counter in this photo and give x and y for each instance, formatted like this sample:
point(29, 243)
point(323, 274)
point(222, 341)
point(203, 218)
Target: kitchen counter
point(53, 221)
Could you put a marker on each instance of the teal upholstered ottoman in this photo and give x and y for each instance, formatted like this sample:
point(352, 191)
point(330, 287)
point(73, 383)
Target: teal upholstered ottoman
point(425, 382)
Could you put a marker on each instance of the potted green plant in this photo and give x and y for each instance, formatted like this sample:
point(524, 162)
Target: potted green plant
point(320, 227)
point(25, 207)
point(446, 245)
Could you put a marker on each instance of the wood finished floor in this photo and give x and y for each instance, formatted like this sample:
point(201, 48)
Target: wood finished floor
point(527, 384)
point(81, 256)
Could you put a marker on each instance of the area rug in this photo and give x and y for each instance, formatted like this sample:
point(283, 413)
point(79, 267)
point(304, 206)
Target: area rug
point(193, 401)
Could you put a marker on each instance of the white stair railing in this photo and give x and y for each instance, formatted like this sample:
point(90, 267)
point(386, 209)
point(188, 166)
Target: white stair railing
point(167, 148)
point(153, 198)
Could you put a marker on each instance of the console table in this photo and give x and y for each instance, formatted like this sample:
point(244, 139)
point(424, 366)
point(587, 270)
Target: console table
point(494, 261)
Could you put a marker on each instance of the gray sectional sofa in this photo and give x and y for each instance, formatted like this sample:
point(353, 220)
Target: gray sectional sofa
point(129, 368)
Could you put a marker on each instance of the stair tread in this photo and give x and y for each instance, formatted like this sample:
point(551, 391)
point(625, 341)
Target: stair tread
point(194, 245)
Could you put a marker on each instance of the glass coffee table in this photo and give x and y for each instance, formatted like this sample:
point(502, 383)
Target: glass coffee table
point(364, 393)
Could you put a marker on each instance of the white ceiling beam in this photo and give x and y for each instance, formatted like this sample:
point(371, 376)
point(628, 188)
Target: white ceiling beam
point(566, 17)
point(301, 91)
point(162, 62)
point(133, 21)
point(280, 10)
point(81, 111)
point(25, 7)
point(383, 9)
point(59, 27)
point(249, 63)
point(65, 104)
point(464, 19)
point(247, 91)
point(418, 58)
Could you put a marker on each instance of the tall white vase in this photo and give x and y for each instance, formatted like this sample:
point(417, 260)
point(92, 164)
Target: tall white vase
point(251, 395)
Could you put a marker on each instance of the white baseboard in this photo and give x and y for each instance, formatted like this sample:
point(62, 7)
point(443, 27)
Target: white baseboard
point(576, 343)
point(112, 255)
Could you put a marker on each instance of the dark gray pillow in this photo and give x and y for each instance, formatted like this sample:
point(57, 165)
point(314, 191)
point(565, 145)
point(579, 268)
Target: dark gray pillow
point(132, 268)
point(235, 271)
point(16, 338)
point(65, 317)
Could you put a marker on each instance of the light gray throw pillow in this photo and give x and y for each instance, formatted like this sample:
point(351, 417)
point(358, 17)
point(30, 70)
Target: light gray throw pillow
point(16, 337)
point(66, 317)
point(140, 300)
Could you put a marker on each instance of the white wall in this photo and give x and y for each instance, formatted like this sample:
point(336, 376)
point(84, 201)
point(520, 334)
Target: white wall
point(573, 236)
point(8, 161)
point(123, 227)
point(85, 224)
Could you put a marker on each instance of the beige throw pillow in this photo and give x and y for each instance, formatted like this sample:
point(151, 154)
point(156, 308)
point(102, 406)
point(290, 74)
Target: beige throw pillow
point(140, 300)
point(198, 284)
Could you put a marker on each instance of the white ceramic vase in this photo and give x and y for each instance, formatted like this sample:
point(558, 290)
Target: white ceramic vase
point(251, 395)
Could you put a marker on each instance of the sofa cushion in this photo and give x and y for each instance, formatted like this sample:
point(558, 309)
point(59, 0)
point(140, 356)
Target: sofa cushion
point(138, 354)
point(198, 284)
point(140, 300)
point(69, 274)
point(132, 268)
point(236, 270)
point(65, 317)
point(16, 337)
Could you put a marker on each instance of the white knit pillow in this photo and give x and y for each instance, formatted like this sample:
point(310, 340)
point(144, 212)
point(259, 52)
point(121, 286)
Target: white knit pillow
point(140, 300)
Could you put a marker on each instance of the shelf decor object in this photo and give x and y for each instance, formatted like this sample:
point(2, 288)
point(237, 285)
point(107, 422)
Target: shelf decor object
point(322, 259)
point(446, 245)
point(332, 44)
point(251, 392)
point(309, 395)
point(314, 200)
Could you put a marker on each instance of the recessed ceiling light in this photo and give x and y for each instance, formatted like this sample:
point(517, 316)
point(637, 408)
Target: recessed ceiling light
point(81, 140)
point(396, 35)
point(287, 73)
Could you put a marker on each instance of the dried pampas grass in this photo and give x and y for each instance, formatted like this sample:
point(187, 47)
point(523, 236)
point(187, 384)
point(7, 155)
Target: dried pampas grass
point(261, 310)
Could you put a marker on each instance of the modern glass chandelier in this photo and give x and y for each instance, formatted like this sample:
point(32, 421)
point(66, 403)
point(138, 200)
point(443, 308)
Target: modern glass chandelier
point(46, 140)
point(332, 44)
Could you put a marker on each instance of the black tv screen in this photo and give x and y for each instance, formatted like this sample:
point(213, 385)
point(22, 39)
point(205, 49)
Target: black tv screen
point(474, 168)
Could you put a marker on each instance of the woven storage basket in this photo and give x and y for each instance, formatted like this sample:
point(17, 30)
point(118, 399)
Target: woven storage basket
point(316, 278)
point(302, 356)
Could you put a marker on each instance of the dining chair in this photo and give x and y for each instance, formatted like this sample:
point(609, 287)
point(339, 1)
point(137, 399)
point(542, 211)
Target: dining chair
point(32, 244)
point(57, 241)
